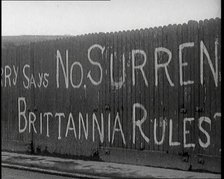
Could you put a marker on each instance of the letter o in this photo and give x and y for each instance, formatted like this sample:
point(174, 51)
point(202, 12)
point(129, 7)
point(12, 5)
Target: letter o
point(71, 70)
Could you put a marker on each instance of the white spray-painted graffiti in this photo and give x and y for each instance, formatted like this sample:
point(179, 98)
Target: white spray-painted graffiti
point(29, 121)
point(9, 77)
point(65, 75)
point(9, 74)
point(158, 67)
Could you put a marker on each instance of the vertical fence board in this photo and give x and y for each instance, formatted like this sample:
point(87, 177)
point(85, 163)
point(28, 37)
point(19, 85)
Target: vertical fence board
point(217, 118)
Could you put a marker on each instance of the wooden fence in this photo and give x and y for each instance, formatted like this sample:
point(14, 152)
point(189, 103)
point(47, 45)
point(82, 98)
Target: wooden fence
point(148, 97)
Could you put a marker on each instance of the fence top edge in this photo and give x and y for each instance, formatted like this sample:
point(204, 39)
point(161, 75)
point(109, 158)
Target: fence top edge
point(115, 32)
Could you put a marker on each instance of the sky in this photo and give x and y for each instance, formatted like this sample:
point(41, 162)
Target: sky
point(81, 17)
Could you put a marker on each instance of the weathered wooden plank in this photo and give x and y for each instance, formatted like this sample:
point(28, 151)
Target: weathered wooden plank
point(144, 89)
point(117, 74)
point(151, 80)
point(138, 60)
point(217, 118)
point(207, 81)
point(214, 52)
point(180, 95)
point(110, 88)
point(106, 104)
point(159, 135)
point(129, 137)
point(154, 89)
point(187, 53)
point(200, 108)
point(173, 120)
point(122, 88)
point(195, 77)
point(166, 90)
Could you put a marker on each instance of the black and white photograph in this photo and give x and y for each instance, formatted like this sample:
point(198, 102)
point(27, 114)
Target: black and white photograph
point(104, 89)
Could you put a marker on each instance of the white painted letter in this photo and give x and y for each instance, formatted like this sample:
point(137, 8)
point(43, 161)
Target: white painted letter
point(79, 64)
point(204, 119)
point(48, 114)
point(41, 123)
point(70, 118)
point(101, 132)
point(27, 78)
point(162, 65)
point(181, 64)
point(109, 119)
point(16, 70)
point(140, 67)
point(95, 63)
point(119, 84)
point(2, 77)
point(203, 50)
point(139, 122)
point(32, 115)
point(117, 119)
point(8, 75)
point(85, 128)
point(22, 113)
point(187, 132)
point(171, 143)
point(59, 115)
point(163, 133)
point(65, 71)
